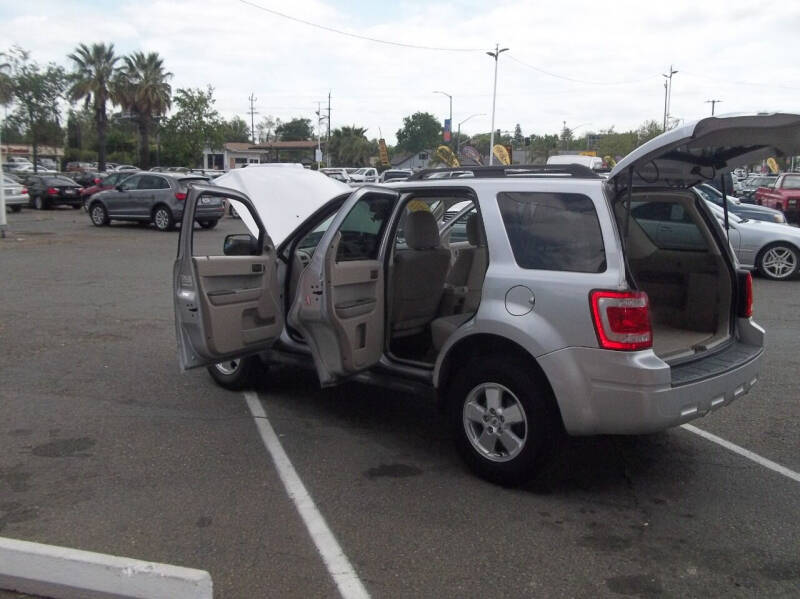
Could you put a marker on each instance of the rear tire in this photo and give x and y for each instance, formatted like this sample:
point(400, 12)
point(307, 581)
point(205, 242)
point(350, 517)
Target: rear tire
point(98, 214)
point(778, 261)
point(503, 418)
point(208, 224)
point(236, 375)
point(162, 219)
point(16, 208)
point(76, 206)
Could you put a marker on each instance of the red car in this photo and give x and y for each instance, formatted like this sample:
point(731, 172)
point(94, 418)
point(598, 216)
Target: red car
point(783, 195)
point(104, 183)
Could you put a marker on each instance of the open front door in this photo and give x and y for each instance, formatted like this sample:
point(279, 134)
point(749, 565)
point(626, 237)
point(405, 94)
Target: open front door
point(339, 306)
point(225, 287)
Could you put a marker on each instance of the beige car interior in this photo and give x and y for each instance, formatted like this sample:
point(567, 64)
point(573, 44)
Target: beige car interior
point(241, 305)
point(435, 285)
point(689, 288)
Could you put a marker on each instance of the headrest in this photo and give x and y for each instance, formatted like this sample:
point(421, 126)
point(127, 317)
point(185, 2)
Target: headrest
point(421, 230)
point(474, 236)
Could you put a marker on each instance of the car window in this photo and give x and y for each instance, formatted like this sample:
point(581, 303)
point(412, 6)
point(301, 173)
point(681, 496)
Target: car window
point(311, 239)
point(791, 183)
point(668, 225)
point(130, 183)
point(553, 231)
point(59, 181)
point(152, 182)
point(363, 228)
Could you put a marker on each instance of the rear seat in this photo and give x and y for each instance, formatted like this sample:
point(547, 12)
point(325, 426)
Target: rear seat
point(464, 285)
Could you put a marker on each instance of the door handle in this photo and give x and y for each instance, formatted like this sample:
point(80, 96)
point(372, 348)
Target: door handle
point(258, 267)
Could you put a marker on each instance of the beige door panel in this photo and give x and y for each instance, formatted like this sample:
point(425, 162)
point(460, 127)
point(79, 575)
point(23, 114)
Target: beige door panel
point(357, 292)
point(239, 300)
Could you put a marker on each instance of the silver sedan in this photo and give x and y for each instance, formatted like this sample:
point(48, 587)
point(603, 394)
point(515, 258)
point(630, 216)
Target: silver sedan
point(773, 249)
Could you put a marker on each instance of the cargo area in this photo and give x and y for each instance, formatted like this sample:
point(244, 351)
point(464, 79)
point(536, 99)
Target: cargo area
point(675, 260)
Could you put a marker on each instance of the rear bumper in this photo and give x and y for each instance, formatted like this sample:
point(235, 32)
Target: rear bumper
point(204, 213)
point(607, 392)
point(17, 199)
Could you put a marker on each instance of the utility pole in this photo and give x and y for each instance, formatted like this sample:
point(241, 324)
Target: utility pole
point(713, 104)
point(252, 113)
point(664, 127)
point(495, 55)
point(319, 134)
point(668, 103)
point(328, 140)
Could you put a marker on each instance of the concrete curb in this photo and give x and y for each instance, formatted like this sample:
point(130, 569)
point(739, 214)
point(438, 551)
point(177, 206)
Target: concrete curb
point(63, 573)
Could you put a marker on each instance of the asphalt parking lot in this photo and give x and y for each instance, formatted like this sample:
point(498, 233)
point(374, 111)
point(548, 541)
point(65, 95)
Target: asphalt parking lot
point(106, 446)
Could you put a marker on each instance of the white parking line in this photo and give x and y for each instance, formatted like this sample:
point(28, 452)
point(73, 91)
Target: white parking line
point(795, 476)
point(345, 577)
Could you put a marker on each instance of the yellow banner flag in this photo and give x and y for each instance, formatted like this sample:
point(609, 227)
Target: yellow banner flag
point(501, 154)
point(446, 155)
point(773, 165)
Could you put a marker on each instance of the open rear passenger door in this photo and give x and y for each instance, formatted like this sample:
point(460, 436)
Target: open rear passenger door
point(225, 286)
point(340, 303)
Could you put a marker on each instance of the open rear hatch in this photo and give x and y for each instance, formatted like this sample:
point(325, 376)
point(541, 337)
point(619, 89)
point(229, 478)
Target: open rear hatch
point(674, 249)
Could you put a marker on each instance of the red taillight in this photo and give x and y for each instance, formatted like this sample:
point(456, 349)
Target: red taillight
point(24, 190)
point(180, 196)
point(97, 181)
point(52, 191)
point(622, 319)
point(746, 295)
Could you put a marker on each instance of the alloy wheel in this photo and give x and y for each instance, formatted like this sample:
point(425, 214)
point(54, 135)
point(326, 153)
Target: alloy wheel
point(495, 422)
point(779, 262)
point(98, 215)
point(228, 367)
point(162, 219)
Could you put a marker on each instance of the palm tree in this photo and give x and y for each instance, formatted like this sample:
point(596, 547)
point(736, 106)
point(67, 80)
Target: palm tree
point(91, 81)
point(350, 146)
point(141, 89)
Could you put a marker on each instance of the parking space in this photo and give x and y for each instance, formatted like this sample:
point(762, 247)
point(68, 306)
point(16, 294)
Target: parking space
point(107, 447)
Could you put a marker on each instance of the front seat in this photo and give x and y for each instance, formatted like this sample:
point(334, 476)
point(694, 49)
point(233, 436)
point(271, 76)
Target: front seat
point(418, 276)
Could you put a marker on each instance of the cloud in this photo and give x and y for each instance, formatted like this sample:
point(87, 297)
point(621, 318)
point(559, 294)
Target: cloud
point(722, 50)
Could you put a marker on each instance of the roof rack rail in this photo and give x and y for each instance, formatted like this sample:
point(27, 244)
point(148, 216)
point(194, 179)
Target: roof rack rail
point(576, 171)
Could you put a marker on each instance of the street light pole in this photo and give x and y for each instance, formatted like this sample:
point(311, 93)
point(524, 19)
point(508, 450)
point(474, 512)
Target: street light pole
point(668, 101)
point(458, 135)
point(495, 55)
point(451, 114)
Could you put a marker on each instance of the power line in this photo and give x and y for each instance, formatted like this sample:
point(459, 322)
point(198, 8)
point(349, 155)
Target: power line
point(574, 80)
point(355, 35)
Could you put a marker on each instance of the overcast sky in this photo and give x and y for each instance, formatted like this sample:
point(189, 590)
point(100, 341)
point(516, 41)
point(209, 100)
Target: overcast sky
point(607, 57)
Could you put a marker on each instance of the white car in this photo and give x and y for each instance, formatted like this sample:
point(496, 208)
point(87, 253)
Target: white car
point(365, 175)
point(339, 174)
point(16, 195)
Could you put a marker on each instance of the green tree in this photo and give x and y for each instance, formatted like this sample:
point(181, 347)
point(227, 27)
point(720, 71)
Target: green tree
point(518, 137)
point(295, 130)
point(91, 81)
point(81, 132)
point(195, 125)
point(542, 147)
point(349, 146)
point(265, 129)
point(235, 129)
point(421, 131)
point(648, 130)
point(36, 90)
point(141, 88)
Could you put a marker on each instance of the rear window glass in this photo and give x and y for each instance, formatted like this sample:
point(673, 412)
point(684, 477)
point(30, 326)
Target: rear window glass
point(791, 182)
point(669, 226)
point(186, 181)
point(553, 231)
point(59, 181)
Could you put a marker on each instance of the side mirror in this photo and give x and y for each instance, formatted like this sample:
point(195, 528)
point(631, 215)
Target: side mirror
point(241, 244)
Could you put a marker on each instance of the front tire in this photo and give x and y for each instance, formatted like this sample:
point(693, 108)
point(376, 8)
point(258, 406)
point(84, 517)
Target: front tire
point(778, 261)
point(162, 218)
point(98, 214)
point(503, 418)
point(237, 374)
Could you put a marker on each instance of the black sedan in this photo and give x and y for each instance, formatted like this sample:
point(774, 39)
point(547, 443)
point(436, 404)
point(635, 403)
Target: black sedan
point(48, 190)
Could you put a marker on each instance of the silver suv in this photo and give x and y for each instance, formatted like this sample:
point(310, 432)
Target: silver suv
point(563, 309)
